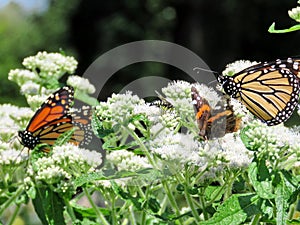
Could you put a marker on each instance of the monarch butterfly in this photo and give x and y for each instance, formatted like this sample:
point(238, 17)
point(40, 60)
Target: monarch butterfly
point(270, 90)
point(54, 118)
point(211, 122)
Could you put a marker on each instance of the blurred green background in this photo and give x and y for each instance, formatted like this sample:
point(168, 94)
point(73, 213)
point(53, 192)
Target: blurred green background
point(218, 31)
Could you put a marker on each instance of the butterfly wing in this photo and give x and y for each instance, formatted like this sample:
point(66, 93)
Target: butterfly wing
point(56, 106)
point(269, 90)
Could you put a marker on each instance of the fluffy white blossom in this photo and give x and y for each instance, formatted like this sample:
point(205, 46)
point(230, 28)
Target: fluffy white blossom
point(237, 66)
point(30, 88)
point(295, 13)
point(51, 64)
point(234, 151)
point(65, 162)
point(119, 107)
point(127, 161)
point(12, 157)
point(181, 148)
point(21, 76)
point(81, 84)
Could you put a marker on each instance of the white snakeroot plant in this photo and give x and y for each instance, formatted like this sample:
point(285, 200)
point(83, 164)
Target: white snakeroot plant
point(153, 167)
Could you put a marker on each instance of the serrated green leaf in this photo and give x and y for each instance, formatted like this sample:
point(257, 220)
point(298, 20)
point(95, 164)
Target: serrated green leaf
point(88, 212)
point(261, 180)
point(49, 207)
point(235, 210)
point(213, 192)
point(87, 178)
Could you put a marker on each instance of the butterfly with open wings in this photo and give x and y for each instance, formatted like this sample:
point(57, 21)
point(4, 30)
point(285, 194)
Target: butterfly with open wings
point(54, 118)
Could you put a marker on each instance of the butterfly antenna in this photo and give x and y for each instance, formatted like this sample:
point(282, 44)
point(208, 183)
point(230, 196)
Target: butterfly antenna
point(198, 69)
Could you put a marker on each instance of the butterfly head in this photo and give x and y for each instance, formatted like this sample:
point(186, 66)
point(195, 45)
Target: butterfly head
point(27, 139)
point(228, 85)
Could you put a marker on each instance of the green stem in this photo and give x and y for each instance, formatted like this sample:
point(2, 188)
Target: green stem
point(131, 215)
point(172, 200)
point(143, 147)
point(191, 205)
point(16, 211)
point(255, 219)
point(203, 206)
point(98, 213)
point(13, 198)
point(70, 210)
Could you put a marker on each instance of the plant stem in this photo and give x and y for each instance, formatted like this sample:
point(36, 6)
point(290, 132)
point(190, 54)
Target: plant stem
point(255, 220)
point(9, 201)
point(16, 211)
point(191, 205)
point(172, 200)
point(98, 213)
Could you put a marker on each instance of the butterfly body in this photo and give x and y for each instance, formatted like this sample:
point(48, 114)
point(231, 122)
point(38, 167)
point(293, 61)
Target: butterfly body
point(269, 90)
point(213, 123)
point(52, 119)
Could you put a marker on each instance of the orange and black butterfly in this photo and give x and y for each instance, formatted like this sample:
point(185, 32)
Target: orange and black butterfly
point(213, 123)
point(270, 90)
point(54, 118)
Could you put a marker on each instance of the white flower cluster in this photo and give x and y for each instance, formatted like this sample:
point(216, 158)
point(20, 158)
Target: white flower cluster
point(178, 93)
point(119, 107)
point(237, 66)
point(65, 162)
point(275, 141)
point(81, 84)
point(51, 64)
point(12, 119)
point(127, 161)
point(234, 151)
point(181, 148)
point(295, 13)
point(11, 157)
point(21, 76)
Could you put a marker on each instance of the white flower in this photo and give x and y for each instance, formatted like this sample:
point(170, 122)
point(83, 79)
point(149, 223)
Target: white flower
point(119, 108)
point(66, 161)
point(81, 84)
point(128, 161)
point(181, 148)
point(51, 64)
point(237, 66)
point(21, 76)
point(35, 101)
point(295, 13)
point(30, 88)
point(12, 157)
point(235, 152)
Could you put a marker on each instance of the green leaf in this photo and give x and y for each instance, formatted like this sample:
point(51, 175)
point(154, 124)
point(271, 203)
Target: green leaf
point(248, 142)
point(82, 96)
point(99, 129)
point(284, 191)
point(261, 180)
point(64, 138)
point(49, 206)
point(235, 210)
point(153, 204)
point(214, 192)
point(293, 28)
point(88, 212)
point(87, 178)
point(136, 201)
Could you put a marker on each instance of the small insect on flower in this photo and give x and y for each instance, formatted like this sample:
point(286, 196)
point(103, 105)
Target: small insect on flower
point(54, 118)
point(213, 122)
